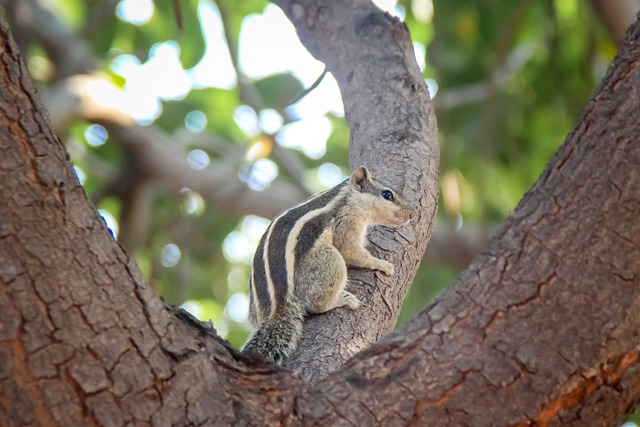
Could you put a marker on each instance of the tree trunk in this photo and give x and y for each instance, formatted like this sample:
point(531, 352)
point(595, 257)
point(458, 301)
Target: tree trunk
point(542, 329)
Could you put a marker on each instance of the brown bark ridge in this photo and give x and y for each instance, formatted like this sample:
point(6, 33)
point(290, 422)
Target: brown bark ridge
point(543, 328)
point(394, 133)
point(83, 339)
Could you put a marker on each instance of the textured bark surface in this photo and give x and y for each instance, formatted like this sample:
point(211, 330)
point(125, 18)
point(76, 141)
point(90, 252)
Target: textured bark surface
point(542, 329)
point(83, 339)
point(394, 133)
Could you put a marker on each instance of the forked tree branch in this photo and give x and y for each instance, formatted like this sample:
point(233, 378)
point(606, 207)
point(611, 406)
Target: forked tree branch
point(542, 329)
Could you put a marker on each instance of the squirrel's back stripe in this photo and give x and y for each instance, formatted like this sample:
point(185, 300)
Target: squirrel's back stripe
point(308, 230)
point(259, 296)
point(313, 228)
point(279, 234)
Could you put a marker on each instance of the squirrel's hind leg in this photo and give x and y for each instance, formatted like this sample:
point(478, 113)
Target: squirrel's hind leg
point(321, 280)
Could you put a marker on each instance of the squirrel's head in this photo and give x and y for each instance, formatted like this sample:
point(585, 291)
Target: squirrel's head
point(383, 205)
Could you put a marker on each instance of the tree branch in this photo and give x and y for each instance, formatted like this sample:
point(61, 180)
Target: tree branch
point(542, 328)
point(393, 132)
point(150, 149)
point(158, 157)
point(68, 51)
point(83, 338)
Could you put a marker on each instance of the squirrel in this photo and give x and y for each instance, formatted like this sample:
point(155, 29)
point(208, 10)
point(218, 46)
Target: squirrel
point(300, 265)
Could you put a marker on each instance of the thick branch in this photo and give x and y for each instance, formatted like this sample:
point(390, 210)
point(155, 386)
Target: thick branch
point(542, 329)
point(393, 132)
point(83, 339)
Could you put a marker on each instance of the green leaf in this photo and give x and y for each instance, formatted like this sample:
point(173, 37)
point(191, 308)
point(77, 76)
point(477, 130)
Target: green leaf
point(278, 91)
point(165, 25)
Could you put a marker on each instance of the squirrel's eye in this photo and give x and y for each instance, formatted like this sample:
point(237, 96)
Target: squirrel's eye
point(387, 195)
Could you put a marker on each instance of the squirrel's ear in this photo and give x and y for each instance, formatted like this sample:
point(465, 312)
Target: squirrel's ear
point(360, 178)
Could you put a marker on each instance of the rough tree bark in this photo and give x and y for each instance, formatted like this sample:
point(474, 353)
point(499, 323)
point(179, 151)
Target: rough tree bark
point(542, 329)
point(393, 132)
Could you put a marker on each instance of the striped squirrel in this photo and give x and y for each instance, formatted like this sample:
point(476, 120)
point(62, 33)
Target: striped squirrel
point(300, 265)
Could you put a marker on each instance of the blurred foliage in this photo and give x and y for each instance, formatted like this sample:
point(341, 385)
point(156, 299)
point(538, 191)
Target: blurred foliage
point(511, 78)
point(530, 67)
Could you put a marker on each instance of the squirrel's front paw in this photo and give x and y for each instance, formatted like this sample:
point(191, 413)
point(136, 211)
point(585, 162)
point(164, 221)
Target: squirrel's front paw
point(386, 267)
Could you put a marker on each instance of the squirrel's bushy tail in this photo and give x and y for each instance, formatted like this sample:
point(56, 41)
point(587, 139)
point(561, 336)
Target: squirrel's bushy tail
point(277, 337)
